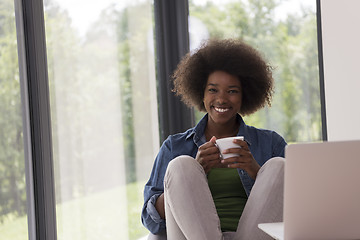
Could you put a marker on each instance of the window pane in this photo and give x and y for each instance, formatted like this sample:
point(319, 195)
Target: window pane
point(13, 209)
point(104, 114)
point(286, 32)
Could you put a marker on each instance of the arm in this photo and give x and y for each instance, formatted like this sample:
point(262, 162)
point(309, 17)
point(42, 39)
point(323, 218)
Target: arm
point(152, 215)
point(160, 206)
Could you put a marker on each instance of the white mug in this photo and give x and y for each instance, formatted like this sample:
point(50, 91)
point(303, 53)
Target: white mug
point(226, 143)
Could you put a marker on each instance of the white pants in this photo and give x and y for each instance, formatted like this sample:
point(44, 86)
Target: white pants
point(190, 210)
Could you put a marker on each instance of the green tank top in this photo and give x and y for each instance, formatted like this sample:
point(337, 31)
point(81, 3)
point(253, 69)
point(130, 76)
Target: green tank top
point(229, 196)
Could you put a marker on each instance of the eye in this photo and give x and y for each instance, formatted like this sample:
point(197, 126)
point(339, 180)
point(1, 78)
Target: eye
point(233, 91)
point(212, 90)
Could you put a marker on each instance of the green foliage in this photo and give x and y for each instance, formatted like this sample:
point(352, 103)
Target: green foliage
point(14, 227)
point(12, 173)
point(126, 95)
point(98, 221)
point(290, 46)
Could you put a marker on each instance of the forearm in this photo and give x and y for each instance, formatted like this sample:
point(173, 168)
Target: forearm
point(160, 206)
point(151, 217)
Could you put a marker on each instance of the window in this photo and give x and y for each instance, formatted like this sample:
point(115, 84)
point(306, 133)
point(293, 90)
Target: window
point(104, 107)
point(13, 197)
point(286, 33)
point(104, 114)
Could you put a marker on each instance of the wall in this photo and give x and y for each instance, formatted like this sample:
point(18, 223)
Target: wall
point(341, 51)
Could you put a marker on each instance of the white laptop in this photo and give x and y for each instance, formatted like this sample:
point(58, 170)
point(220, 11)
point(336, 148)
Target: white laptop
point(321, 192)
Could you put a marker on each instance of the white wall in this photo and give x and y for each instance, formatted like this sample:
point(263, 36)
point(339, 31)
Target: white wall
point(341, 51)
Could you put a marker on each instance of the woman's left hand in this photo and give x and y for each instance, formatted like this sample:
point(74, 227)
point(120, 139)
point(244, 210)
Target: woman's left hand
point(245, 160)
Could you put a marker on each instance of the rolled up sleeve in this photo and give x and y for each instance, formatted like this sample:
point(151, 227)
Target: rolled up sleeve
point(153, 189)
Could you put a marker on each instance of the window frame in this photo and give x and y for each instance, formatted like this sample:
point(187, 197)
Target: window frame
point(41, 204)
point(321, 72)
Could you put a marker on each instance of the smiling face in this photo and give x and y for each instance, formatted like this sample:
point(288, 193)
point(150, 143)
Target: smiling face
point(222, 97)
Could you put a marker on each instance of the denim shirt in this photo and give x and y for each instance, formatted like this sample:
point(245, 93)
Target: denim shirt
point(263, 144)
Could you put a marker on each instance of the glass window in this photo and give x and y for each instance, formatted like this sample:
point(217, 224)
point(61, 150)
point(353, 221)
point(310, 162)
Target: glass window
point(13, 207)
point(104, 114)
point(286, 33)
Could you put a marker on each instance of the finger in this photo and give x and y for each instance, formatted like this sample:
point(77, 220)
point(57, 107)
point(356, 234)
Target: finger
point(209, 154)
point(207, 145)
point(211, 157)
point(240, 151)
point(241, 143)
point(231, 160)
point(234, 165)
point(209, 150)
point(243, 161)
point(239, 159)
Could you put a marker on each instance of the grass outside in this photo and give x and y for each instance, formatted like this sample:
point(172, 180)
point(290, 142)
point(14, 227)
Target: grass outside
point(112, 214)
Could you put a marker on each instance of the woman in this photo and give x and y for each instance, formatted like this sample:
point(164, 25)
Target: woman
point(200, 195)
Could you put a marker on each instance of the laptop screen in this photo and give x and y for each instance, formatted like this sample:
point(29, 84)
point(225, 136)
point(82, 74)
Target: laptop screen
point(321, 192)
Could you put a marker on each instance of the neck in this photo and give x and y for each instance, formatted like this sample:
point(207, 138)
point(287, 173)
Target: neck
point(221, 130)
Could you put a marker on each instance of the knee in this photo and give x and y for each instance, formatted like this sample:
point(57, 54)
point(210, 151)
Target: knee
point(274, 166)
point(180, 162)
point(276, 162)
point(181, 166)
point(270, 178)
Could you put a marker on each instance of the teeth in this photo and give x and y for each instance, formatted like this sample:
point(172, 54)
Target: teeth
point(221, 109)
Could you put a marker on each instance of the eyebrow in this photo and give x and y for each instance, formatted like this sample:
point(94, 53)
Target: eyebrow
point(215, 85)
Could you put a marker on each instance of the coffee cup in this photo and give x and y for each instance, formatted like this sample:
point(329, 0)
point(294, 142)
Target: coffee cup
point(226, 143)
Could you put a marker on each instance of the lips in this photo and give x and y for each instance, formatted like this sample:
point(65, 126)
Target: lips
point(221, 109)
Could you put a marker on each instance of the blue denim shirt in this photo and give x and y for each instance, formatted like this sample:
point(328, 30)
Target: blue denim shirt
point(263, 144)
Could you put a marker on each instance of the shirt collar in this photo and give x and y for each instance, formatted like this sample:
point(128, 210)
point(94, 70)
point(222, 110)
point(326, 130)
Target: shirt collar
point(198, 131)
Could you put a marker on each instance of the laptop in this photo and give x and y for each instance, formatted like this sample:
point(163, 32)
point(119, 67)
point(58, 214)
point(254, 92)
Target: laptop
point(321, 192)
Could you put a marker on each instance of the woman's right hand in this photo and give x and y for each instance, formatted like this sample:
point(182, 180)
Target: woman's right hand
point(208, 156)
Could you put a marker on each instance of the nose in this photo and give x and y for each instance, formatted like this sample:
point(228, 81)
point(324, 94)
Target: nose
point(221, 98)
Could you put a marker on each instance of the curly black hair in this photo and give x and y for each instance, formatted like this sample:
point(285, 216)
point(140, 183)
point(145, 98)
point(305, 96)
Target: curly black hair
point(234, 57)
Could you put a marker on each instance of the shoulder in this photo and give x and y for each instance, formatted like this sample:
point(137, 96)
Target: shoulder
point(178, 140)
point(267, 139)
